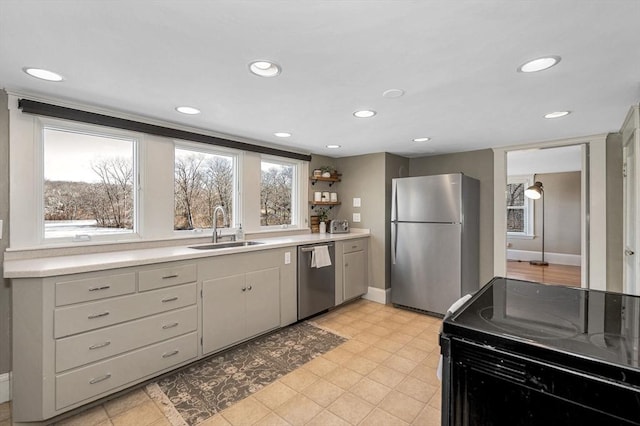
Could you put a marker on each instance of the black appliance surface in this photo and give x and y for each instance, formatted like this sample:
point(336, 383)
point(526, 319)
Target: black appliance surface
point(523, 353)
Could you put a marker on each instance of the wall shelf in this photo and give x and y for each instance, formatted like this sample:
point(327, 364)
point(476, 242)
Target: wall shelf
point(329, 204)
point(331, 180)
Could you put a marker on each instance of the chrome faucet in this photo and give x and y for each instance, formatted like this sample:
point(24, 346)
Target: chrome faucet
point(215, 222)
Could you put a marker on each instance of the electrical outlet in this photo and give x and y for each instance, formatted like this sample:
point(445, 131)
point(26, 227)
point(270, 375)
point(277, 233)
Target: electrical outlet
point(356, 202)
point(356, 217)
point(287, 257)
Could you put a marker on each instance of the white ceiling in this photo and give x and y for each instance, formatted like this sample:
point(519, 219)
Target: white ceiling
point(455, 60)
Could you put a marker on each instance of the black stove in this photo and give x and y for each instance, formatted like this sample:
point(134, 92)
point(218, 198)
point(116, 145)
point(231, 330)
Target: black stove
point(518, 349)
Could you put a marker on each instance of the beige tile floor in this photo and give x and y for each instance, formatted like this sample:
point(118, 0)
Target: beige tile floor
point(384, 375)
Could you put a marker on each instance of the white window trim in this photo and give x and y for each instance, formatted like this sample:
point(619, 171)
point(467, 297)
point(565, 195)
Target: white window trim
point(299, 187)
point(93, 130)
point(528, 208)
point(237, 156)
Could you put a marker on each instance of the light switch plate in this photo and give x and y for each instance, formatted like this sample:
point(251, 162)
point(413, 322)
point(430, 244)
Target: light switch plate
point(356, 202)
point(356, 217)
point(287, 257)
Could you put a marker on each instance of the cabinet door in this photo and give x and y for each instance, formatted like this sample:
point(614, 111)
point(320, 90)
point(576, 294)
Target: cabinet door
point(223, 312)
point(355, 275)
point(263, 301)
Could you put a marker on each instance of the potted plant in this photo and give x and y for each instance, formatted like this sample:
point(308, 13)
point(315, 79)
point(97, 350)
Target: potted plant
point(323, 214)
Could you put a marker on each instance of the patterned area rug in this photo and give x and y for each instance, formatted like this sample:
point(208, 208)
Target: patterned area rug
point(209, 386)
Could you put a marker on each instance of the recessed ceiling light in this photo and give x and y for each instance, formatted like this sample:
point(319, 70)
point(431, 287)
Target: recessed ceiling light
point(365, 113)
point(282, 134)
point(421, 139)
point(333, 146)
point(264, 68)
point(393, 93)
point(557, 114)
point(43, 74)
point(188, 110)
point(539, 64)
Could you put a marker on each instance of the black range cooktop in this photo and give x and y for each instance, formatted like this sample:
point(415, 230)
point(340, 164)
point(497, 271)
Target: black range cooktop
point(585, 324)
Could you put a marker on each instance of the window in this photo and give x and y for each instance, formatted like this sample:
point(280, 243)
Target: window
point(88, 184)
point(519, 208)
point(203, 179)
point(278, 193)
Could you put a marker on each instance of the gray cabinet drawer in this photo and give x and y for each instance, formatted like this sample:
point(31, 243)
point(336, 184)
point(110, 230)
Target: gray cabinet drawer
point(354, 245)
point(86, 348)
point(95, 379)
point(87, 289)
point(90, 316)
point(166, 277)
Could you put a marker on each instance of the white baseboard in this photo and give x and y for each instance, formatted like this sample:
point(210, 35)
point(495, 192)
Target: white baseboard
point(5, 387)
point(557, 258)
point(378, 295)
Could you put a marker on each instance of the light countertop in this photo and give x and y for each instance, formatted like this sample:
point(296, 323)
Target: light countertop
point(73, 264)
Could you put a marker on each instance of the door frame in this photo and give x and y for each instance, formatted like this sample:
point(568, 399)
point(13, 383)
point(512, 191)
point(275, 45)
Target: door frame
point(631, 136)
point(595, 255)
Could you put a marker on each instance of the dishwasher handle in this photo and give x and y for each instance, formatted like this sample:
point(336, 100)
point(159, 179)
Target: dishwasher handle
point(310, 248)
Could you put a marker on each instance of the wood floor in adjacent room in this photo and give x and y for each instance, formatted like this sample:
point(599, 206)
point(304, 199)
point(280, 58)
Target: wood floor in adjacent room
point(551, 274)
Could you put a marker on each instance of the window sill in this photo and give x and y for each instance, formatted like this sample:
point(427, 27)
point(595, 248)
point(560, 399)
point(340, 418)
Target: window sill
point(520, 236)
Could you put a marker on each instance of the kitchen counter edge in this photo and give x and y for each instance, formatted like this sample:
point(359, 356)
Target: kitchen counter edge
point(74, 264)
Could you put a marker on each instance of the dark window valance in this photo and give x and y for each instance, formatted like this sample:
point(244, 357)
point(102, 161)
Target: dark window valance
point(49, 110)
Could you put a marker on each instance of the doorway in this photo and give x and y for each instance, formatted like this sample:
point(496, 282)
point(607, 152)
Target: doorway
point(546, 237)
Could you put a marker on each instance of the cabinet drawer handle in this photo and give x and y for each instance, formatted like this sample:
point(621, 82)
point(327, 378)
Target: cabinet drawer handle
point(99, 345)
point(168, 354)
point(249, 288)
point(346, 265)
point(102, 314)
point(104, 287)
point(167, 326)
point(100, 379)
point(354, 247)
point(244, 289)
point(170, 276)
point(170, 299)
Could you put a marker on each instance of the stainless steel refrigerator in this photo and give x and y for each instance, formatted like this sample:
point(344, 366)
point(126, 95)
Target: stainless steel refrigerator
point(434, 240)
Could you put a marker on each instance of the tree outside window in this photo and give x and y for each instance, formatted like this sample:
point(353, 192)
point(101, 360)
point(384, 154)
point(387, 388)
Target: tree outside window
point(202, 181)
point(519, 211)
point(88, 184)
point(277, 193)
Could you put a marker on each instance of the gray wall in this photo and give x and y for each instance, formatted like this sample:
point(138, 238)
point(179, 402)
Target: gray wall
point(5, 289)
point(562, 233)
point(614, 212)
point(476, 164)
point(363, 176)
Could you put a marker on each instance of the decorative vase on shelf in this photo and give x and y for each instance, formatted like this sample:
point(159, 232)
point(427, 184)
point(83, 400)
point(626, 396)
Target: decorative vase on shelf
point(323, 227)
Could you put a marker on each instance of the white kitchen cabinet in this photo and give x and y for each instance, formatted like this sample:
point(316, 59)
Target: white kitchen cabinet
point(238, 307)
point(80, 337)
point(355, 277)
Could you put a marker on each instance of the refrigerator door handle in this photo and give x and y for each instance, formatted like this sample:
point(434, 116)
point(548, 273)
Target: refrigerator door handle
point(394, 241)
point(394, 200)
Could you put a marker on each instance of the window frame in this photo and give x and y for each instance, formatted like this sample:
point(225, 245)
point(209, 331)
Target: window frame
point(136, 139)
point(296, 193)
point(236, 217)
point(527, 207)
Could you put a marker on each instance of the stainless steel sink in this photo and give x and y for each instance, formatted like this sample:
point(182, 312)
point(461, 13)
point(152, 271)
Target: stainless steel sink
point(226, 245)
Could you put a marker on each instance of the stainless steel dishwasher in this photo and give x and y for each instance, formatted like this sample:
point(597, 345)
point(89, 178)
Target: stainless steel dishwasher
point(316, 286)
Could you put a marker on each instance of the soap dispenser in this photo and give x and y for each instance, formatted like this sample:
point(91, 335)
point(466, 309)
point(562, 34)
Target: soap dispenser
point(239, 233)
